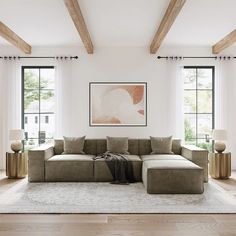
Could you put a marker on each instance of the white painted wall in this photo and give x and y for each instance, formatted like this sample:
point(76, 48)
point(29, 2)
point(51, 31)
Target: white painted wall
point(128, 65)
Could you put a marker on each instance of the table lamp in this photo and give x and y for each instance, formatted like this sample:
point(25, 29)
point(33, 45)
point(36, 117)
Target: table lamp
point(219, 135)
point(16, 135)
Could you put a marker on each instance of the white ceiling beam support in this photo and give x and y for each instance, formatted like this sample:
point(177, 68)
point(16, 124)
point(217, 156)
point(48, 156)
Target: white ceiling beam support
point(171, 14)
point(78, 19)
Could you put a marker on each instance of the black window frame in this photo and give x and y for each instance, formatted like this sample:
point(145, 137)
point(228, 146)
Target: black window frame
point(213, 99)
point(23, 100)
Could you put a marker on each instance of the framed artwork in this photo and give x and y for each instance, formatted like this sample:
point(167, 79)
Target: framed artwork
point(117, 104)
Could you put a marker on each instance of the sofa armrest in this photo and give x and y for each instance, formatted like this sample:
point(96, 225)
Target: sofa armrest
point(198, 156)
point(36, 159)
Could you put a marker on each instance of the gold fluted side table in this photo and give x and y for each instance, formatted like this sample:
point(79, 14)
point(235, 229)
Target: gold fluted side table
point(220, 165)
point(16, 165)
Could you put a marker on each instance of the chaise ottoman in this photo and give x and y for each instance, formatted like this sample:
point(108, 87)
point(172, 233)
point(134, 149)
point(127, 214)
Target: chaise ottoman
point(172, 175)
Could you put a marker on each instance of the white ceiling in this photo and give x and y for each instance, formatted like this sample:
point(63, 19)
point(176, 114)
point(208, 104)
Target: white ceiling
point(118, 22)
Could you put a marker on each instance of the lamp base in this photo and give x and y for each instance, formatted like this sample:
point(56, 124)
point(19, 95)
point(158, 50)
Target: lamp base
point(219, 146)
point(16, 146)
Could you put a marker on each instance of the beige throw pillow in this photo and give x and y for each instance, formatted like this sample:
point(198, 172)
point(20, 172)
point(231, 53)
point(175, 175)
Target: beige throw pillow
point(161, 145)
point(118, 145)
point(73, 145)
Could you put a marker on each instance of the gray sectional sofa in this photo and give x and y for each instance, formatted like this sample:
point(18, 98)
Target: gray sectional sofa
point(183, 172)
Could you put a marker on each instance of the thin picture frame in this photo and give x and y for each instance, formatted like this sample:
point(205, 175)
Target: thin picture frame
point(119, 84)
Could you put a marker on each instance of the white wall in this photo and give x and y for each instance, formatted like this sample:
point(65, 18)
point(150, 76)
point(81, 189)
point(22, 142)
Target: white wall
point(118, 65)
point(128, 65)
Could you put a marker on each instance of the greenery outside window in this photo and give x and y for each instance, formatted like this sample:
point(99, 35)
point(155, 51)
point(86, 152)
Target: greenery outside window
point(199, 105)
point(38, 84)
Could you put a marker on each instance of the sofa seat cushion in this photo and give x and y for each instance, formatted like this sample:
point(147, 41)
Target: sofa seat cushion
point(172, 176)
point(103, 174)
point(162, 157)
point(70, 168)
point(71, 157)
point(171, 164)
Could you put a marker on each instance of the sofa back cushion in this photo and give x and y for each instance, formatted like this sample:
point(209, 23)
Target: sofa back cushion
point(58, 146)
point(99, 146)
point(176, 146)
point(90, 146)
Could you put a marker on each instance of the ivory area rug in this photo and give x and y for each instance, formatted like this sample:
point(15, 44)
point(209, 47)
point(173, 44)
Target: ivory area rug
point(27, 197)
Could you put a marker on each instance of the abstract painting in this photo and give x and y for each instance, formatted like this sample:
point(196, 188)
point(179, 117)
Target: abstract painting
point(117, 104)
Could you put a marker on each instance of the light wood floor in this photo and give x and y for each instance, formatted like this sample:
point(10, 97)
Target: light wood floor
point(119, 224)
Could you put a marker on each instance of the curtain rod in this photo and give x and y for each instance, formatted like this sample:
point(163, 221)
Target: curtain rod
point(57, 57)
point(210, 57)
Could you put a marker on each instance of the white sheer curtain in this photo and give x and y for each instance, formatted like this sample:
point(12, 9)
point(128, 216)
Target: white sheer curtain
point(64, 101)
point(175, 109)
point(225, 102)
point(10, 103)
point(221, 94)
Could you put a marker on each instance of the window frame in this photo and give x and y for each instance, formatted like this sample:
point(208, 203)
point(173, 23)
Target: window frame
point(23, 99)
point(197, 90)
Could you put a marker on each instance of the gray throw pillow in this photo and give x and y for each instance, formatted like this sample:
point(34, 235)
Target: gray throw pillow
point(161, 145)
point(73, 145)
point(118, 145)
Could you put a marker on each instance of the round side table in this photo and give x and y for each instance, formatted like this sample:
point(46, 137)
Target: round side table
point(220, 165)
point(16, 165)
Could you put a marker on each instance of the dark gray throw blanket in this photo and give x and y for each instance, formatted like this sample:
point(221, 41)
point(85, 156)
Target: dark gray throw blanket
point(120, 167)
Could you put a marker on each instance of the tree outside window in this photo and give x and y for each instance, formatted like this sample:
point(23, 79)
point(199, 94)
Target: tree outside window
point(199, 105)
point(38, 102)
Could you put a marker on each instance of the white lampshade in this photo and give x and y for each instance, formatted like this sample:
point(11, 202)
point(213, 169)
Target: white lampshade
point(219, 134)
point(16, 134)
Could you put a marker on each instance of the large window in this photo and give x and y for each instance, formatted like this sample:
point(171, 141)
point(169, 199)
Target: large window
point(38, 105)
point(199, 105)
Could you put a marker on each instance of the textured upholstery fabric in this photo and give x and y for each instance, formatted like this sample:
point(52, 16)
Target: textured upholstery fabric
point(161, 145)
point(36, 160)
point(90, 146)
point(102, 172)
point(118, 145)
point(69, 168)
point(71, 157)
point(133, 146)
point(136, 146)
point(145, 147)
point(161, 157)
point(176, 146)
point(198, 156)
point(74, 145)
point(58, 146)
point(172, 176)
point(160, 173)
point(101, 146)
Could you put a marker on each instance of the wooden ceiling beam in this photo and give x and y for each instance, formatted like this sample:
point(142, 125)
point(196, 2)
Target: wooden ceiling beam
point(171, 14)
point(78, 19)
point(14, 39)
point(224, 43)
